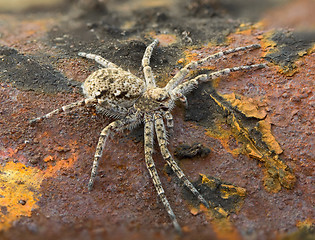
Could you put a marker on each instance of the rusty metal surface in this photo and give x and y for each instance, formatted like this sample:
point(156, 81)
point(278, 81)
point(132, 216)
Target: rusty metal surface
point(45, 168)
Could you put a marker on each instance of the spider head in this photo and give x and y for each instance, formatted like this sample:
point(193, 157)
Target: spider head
point(158, 94)
point(154, 99)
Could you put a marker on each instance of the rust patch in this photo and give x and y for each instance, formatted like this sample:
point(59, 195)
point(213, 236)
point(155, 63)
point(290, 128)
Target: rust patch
point(285, 48)
point(306, 230)
point(19, 192)
point(239, 122)
point(21, 184)
point(248, 106)
point(164, 39)
point(256, 140)
point(224, 199)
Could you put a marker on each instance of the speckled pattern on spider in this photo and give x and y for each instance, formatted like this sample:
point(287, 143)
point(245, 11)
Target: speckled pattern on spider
point(131, 100)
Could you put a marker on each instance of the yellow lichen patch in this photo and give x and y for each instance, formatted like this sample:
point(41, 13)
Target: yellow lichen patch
point(283, 49)
point(19, 192)
point(248, 106)
point(265, 128)
point(210, 182)
point(246, 29)
point(253, 137)
point(305, 231)
point(230, 197)
point(308, 223)
point(20, 185)
point(229, 190)
point(267, 44)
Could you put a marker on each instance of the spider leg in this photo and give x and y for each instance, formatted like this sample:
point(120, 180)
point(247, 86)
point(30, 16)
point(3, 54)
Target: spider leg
point(65, 108)
point(161, 137)
point(169, 119)
point(148, 75)
point(181, 74)
point(148, 147)
point(105, 63)
point(117, 125)
point(185, 87)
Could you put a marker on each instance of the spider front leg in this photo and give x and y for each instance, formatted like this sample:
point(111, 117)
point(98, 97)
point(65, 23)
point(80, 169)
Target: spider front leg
point(181, 74)
point(169, 119)
point(147, 71)
point(65, 109)
point(185, 87)
point(102, 61)
point(117, 125)
point(161, 137)
point(148, 149)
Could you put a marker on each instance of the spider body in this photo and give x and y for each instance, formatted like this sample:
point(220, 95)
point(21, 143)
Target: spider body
point(115, 86)
point(132, 100)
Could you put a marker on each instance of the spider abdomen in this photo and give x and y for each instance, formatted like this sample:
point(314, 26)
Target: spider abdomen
point(114, 85)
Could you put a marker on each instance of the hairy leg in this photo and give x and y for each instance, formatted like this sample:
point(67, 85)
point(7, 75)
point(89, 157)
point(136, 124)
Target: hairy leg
point(148, 148)
point(181, 74)
point(185, 87)
point(169, 119)
point(102, 61)
point(148, 75)
point(161, 137)
point(65, 108)
point(117, 125)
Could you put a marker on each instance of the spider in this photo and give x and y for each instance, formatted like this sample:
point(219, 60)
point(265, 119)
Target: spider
point(131, 100)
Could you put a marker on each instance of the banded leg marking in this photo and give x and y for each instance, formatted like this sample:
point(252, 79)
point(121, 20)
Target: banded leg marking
point(148, 148)
point(65, 108)
point(114, 126)
point(185, 87)
point(147, 71)
point(160, 133)
point(102, 61)
point(169, 119)
point(181, 74)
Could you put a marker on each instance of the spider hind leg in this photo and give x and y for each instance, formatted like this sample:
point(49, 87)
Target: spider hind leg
point(148, 146)
point(117, 125)
point(161, 136)
point(66, 109)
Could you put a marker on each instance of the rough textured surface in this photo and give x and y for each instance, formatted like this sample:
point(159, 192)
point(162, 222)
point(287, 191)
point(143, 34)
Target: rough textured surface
point(45, 169)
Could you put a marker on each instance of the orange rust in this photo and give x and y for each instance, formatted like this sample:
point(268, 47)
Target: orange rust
point(17, 33)
point(309, 222)
point(226, 192)
point(22, 185)
point(248, 106)
point(164, 39)
point(229, 190)
point(265, 128)
point(20, 192)
point(276, 173)
point(246, 29)
point(194, 211)
point(225, 230)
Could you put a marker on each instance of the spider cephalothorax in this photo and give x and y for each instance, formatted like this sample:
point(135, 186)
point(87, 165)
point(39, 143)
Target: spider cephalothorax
point(154, 99)
point(131, 100)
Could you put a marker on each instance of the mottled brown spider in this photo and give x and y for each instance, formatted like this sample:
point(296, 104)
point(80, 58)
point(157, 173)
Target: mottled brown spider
point(131, 100)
